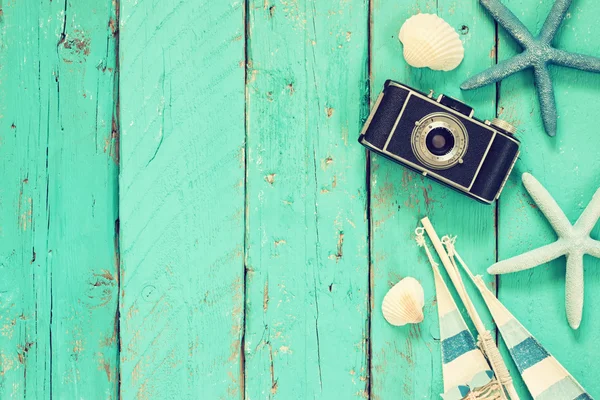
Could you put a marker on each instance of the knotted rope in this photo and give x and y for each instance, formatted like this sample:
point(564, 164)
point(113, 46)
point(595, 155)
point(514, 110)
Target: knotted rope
point(491, 391)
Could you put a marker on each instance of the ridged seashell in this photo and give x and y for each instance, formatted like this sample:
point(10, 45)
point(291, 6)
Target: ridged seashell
point(429, 41)
point(403, 303)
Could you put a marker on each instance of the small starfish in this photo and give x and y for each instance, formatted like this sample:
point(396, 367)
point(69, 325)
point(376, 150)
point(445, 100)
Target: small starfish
point(573, 242)
point(538, 54)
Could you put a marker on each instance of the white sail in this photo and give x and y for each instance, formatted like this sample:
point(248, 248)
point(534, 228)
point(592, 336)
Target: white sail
point(465, 369)
point(544, 376)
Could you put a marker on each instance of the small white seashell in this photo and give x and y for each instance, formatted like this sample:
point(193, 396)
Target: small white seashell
point(429, 41)
point(403, 303)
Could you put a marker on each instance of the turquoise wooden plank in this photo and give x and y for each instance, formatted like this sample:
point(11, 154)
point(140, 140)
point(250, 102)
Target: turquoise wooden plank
point(307, 245)
point(83, 195)
point(406, 362)
point(182, 198)
point(25, 288)
point(567, 166)
point(59, 203)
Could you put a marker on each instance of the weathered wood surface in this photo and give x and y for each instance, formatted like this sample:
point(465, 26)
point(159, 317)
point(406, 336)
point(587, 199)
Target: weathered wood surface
point(58, 201)
point(407, 362)
point(307, 325)
point(247, 245)
point(182, 198)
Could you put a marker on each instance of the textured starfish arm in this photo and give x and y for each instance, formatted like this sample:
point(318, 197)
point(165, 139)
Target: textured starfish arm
point(530, 259)
point(547, 205)
point(508, 21)
point(543, 85)
point(552, 23)
point(574, 289)
point(497, 72)
point(575, 60)
point(593, 247)
point(588, 219)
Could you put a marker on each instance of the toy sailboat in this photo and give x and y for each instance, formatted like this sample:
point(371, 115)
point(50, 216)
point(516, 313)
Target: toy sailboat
point(466, 371)
point(486, 342)
point(545, 378)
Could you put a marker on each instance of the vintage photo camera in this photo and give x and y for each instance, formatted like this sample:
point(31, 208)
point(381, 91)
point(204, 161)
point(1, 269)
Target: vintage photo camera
point(441, 139)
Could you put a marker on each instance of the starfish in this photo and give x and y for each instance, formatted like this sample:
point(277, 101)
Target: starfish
point(538, 54)
point(573, 242)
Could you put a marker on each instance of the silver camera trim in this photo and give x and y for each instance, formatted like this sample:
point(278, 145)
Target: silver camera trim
point(425, 171)
point(439, 120)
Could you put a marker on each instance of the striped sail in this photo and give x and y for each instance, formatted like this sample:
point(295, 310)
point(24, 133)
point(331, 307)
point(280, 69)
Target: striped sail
point(545, 378)
point(461, 358)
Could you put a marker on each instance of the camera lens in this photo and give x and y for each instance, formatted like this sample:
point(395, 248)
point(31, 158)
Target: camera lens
point(440, 141)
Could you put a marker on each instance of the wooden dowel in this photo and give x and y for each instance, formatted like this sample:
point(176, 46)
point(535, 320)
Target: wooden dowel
point(452, 272)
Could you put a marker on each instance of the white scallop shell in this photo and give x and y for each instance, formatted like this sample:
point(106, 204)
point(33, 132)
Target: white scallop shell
point(429, 41)
point(403, 303)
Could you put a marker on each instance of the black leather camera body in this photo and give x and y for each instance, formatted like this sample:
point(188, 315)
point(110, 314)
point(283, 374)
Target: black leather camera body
point(440, 139)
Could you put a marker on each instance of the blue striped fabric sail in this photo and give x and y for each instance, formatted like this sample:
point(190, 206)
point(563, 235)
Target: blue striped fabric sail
point(545, 378)
point(461, 358)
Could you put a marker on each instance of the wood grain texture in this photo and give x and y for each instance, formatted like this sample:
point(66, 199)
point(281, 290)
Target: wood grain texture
point(307, 244)
point(407, 361)
point(58, 294)
point(246, 246)
point(567, 166)
point(181, 198)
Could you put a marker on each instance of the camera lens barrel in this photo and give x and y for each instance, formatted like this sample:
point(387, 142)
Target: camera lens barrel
point(439, 140)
